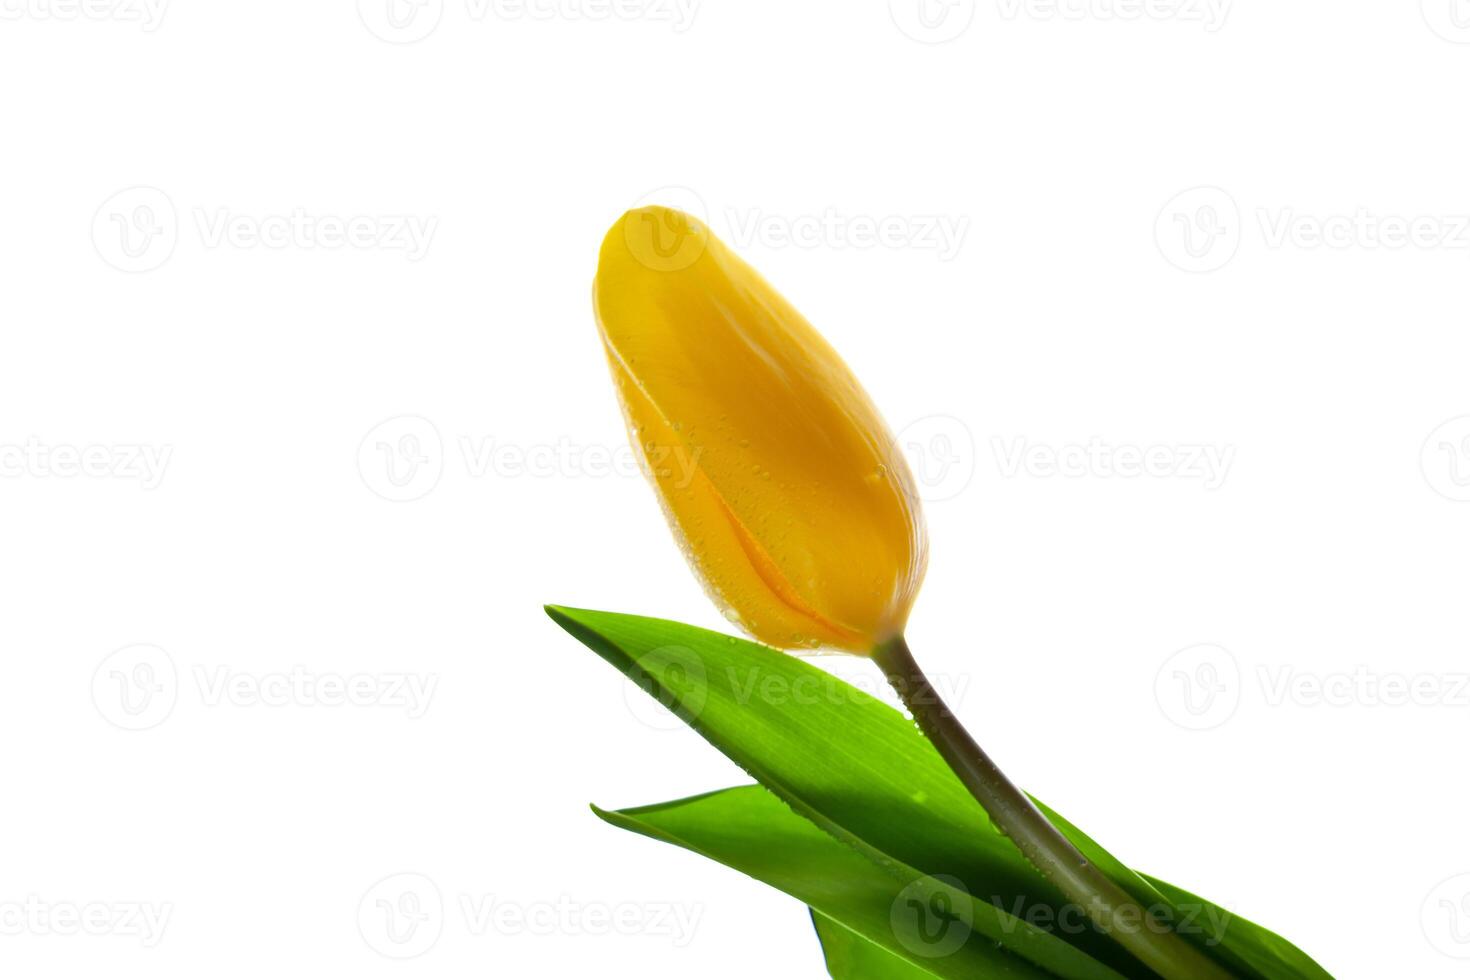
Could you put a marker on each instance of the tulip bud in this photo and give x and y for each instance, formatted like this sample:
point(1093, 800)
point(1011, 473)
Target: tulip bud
point(785, 489)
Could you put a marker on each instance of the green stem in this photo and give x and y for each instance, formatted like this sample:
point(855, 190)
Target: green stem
point(1114, 911)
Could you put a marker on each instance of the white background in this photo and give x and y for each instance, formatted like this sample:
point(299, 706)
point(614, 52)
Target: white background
point(1277, 319)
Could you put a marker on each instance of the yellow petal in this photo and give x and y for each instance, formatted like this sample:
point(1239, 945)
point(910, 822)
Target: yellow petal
point(775, 471)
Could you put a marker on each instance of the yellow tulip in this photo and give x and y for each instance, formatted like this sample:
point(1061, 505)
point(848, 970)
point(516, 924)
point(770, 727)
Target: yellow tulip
point(794, 506)
point(785, 489)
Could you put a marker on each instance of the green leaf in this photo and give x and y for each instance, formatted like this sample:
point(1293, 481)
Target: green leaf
point(1267, 953)
point(861, 772)
point(924, 922)
point(851, 957)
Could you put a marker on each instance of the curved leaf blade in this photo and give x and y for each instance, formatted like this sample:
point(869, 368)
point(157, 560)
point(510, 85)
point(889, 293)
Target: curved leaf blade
point(935, 930)
point(851, 957)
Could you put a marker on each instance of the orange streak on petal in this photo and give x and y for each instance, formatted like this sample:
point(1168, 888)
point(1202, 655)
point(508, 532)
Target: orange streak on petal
point(770, 574)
